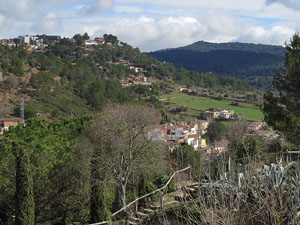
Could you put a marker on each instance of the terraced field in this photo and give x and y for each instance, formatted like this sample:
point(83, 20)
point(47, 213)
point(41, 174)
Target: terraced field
point(196, 104)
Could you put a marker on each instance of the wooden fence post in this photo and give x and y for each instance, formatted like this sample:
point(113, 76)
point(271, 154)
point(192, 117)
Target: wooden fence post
point(161, 199)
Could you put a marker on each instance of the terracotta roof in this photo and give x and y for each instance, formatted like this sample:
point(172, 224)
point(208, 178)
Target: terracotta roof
point(181, 141)
point(18, 120)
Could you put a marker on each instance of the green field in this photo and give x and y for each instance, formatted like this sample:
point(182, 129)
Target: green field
point(195, 104)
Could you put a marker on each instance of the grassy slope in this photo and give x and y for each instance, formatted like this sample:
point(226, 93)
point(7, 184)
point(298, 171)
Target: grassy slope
point(248, 111)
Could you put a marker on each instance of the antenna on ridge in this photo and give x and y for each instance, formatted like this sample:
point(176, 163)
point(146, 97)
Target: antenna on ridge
point(22, 110)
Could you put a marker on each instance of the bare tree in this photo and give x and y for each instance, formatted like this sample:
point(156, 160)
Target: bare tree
point(237, 130)
point(122, 147)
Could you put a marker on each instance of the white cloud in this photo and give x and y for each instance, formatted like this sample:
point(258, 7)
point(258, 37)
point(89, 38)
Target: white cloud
point(293, 4)
point(150, 34)
point(57, 3)
point(96, 6)
point(278, 11)
point(18, 10)
point(127, 9)
point(1, 21)
point(249, 5)
point(276, 35)
point(48, 24)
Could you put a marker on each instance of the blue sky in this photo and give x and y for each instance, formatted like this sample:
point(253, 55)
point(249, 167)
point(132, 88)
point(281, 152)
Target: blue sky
point(155, 24)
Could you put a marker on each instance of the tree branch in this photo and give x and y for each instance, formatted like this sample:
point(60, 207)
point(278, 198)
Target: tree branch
point(144, 196)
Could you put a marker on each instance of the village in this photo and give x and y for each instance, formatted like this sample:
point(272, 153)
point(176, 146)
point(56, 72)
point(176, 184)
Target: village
point(30, 43)
point(36, 44)
point(174, 134)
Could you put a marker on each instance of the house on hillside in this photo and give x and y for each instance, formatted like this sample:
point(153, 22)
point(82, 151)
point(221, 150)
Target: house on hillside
point(88, 43)
point(203, 124)
point(157, 133)
point(123, 62)
point(217, 113)
point(125, 83)
point(6, 123)
point(211, 114)
point(226, 114)
point(184, 90)
point(3, 41)
point(137, 69)
point(193, 140)
point(177, 133)
point(99, 40)
point(212, 152)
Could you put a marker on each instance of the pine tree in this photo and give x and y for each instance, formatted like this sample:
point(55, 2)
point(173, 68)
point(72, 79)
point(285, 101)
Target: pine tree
point(282, 110)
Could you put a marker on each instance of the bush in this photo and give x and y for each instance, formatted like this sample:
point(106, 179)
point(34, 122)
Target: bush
point(234, 104)
point(10, 82)
point(162, 180)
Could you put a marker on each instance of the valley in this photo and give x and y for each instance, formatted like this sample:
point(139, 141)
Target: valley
point(196, 104)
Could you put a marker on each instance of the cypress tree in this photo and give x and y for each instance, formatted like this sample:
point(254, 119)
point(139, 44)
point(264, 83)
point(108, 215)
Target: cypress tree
point(24, 187)
point(97, 206)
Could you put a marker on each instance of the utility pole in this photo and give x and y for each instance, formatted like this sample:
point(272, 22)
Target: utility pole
point(22, 110)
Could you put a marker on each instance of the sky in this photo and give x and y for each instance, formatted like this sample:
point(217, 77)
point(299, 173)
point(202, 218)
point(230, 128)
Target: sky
point(155, 24)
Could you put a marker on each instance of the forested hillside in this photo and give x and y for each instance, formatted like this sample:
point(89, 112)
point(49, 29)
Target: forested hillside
point(241, 60)
point(68, 78)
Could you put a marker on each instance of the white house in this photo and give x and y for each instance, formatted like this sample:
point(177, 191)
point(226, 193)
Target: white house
point(90, 43)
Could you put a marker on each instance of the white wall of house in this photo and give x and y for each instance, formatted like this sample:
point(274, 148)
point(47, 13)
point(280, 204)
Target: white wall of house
point(193, 130)
point(192, 142)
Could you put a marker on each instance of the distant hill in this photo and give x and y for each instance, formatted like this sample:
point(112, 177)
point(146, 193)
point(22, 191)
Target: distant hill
point(234, 59)
point(68, 78)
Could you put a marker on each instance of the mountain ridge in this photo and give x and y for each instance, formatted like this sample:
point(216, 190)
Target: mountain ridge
point(242, 60)
point(196, 46)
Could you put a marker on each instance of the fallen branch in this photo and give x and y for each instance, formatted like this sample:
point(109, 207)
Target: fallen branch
point(144, 196)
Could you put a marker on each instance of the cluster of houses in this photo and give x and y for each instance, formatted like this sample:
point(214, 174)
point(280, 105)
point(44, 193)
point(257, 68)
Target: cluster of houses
point(180, 133)
point(35, 43)
point(31, 43)
point(218, 114)
point(126, 62)
point(187, 133)
point(133, 80)
point(191, 133)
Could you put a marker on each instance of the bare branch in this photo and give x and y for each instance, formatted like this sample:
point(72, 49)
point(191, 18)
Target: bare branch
point(144, 196)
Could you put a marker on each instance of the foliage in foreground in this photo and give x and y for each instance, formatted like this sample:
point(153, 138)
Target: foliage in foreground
point(241, 195)
point(282, 110)
point(45, 159)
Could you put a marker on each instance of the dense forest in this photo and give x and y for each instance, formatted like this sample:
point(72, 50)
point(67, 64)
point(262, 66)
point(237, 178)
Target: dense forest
point(245, 61)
